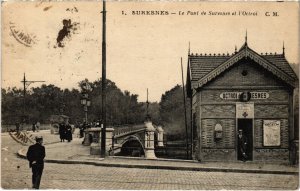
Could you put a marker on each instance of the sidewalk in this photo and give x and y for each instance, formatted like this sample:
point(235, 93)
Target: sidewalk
point(75, 153)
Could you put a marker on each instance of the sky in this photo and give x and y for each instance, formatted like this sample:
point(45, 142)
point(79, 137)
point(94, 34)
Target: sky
point(143, 51)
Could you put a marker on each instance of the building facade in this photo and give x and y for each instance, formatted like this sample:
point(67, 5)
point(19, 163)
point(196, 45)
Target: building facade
point(244, 92)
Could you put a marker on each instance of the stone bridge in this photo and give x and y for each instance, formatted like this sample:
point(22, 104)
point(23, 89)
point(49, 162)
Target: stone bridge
point(135, 140)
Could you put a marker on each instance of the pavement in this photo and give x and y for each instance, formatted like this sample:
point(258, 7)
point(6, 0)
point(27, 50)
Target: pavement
point(75, 153)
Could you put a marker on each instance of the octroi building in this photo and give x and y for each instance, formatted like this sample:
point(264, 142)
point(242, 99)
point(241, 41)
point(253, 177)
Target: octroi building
point(243, 91)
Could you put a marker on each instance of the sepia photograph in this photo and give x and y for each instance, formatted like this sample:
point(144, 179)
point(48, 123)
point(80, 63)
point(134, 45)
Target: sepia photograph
point(149, 95)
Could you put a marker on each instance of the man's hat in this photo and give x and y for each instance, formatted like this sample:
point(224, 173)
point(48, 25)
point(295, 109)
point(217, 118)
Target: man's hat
point(38, 138)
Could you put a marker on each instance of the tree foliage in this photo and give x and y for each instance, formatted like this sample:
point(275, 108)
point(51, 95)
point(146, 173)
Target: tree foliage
point(46, 100)
point(121, 107)
point(172, 113)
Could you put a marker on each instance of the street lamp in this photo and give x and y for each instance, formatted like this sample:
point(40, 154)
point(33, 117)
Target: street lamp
point(86, 102)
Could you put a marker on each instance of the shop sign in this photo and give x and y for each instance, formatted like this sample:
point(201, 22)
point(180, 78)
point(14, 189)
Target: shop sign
point(245, 110)
point(271, 132)
point(236, 95)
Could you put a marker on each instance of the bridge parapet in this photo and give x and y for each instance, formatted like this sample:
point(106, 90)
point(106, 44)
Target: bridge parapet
point(91, 135)
point(123, 135)
point(125, 130)
point(93, 139)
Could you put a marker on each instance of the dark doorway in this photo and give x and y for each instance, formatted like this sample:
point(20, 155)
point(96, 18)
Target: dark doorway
point(247, 131)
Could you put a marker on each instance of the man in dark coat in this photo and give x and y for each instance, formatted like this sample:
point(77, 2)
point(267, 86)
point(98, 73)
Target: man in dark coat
point(242, 144)
point(62, 132)
point(33, 127)
point(35, 155)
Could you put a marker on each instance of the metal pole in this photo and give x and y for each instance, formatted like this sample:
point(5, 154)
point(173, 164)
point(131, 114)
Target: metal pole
point(147, 116)
point(103, 132)
point(86, 116)
point(24, 94)
point(185, 121)
point(191, 116)
point(192, 128)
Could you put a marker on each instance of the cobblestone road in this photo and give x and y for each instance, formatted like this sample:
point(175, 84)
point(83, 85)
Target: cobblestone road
point(15, 174)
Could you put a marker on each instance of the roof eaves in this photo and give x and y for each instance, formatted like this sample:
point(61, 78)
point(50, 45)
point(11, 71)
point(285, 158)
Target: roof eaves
point(271, 67)
point(225, 65)
point(280, 61)
point(245, 51)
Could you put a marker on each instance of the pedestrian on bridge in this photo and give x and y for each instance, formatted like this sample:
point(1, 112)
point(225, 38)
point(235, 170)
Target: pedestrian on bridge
point(35, 155)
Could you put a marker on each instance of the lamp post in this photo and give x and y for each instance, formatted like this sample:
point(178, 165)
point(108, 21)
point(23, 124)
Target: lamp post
point(26, 83)
point(62, 104)
point(86, 102)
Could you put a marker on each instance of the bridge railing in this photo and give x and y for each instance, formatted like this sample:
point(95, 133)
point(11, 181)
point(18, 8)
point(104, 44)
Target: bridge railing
point(126, 129)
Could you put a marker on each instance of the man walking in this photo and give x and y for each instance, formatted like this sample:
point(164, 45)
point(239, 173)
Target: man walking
point(35, 156)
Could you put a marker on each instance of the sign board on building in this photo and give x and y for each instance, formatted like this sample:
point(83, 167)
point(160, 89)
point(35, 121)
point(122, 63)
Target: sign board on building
point(271, 132)
point(245, 110)
point(236, 95)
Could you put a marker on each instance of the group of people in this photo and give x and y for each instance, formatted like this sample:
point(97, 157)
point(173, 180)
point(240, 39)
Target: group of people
point(65, 132)
point(85, 126)
point(34, 127)
point(82, 127)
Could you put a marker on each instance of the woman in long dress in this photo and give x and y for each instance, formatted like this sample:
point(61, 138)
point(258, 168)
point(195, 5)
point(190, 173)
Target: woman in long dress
point(68, 132)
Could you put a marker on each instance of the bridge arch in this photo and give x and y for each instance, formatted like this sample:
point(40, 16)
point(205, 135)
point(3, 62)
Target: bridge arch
point(132, 146)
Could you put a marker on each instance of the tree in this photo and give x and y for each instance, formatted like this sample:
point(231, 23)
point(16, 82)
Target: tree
point(12, 105)
point(43, 102)
point(70, 105)
point(46, 100)
point(172, 113)
point(121, 107)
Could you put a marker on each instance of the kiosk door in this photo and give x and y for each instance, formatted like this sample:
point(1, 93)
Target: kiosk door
point(245, 144)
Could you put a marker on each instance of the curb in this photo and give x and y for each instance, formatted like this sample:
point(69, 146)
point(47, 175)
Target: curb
point(21, 154)
point(155, 159)
point(51, 143)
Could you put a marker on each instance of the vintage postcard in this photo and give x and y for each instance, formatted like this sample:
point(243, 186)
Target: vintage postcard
point(149, 95)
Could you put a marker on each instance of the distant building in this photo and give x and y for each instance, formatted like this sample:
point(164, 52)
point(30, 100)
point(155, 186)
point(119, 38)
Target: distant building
point(243, 91)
